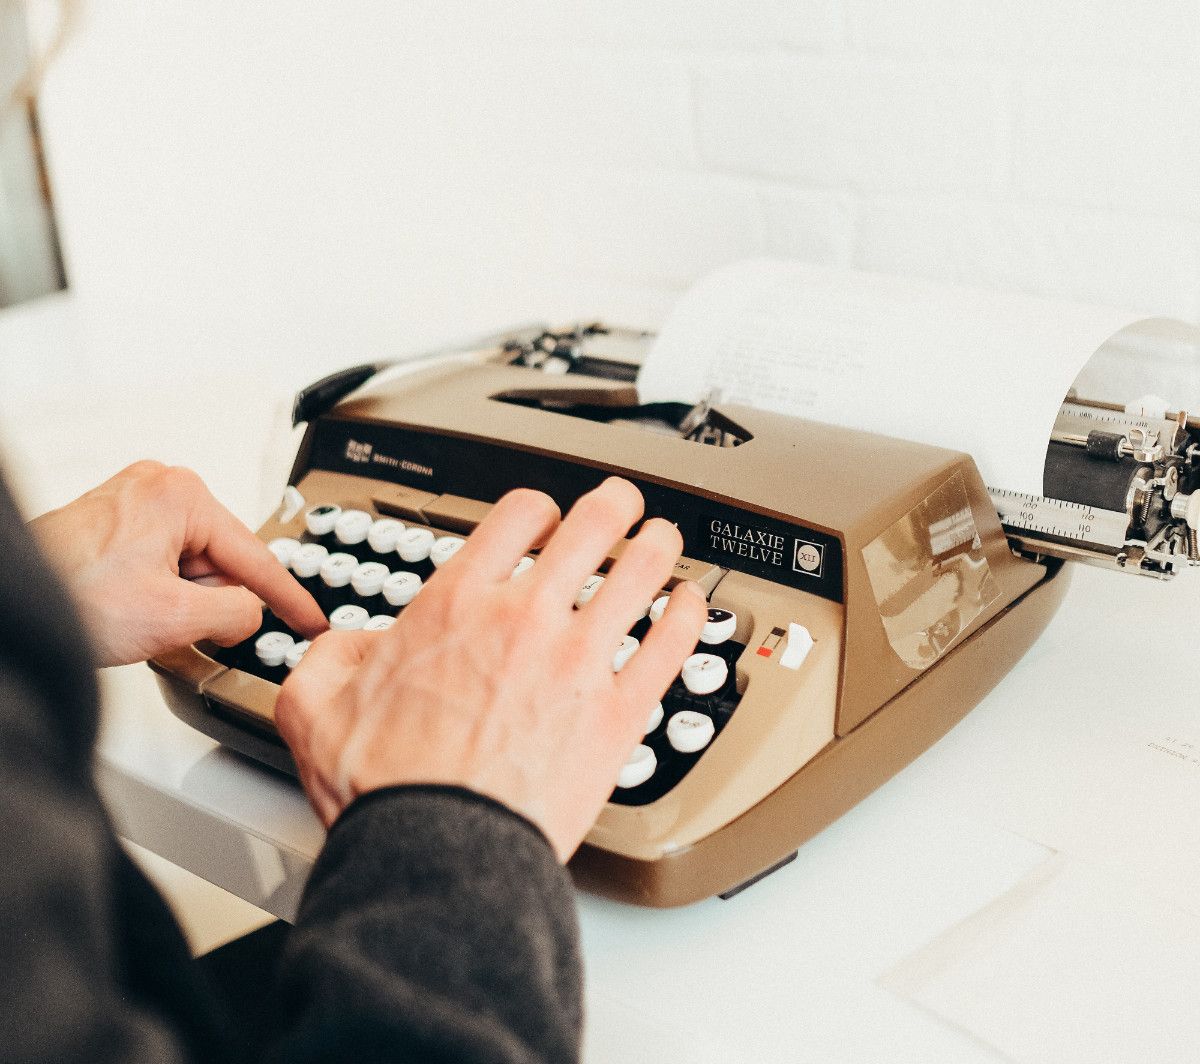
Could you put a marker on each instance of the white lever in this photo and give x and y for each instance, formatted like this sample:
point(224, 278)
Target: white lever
point(799, 643)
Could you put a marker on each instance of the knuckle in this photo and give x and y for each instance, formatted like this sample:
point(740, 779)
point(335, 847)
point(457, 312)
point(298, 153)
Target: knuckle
point(439, 599)
point(250, 612)
point(175, 605)
point(512, 612)
point(145, 468)
point(165, 482)
point(541, 598)
point(323, 644)
point(182, 480)
point(457, 595)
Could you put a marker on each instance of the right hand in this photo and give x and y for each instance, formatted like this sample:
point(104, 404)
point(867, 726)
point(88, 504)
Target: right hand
point(496, 683)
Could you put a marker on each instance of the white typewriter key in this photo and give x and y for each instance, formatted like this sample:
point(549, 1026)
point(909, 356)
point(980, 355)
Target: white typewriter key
point(337, 569)
point(444, 549)
point(589, 589)
point(721, 625)
point(703, 673)
point(284, 548)
point(639, 768)
point(659, 607)
point(292, 657)
point(381, 622)
point(524, 565)
point(307, 561)
point(352, 527)
point(625, 650)
point(688, 732)
point(401, 588)
point(321, 519)
point(656, 716)
point(348, 619)
point(291, 504)
point(414, 544)
point(272, 647)
point(384, 535)
point(368, 578)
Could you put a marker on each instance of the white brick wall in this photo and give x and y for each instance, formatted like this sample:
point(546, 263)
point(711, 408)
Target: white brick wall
point(1124, 32)
point(1109, 138)
point(340, 180)
point(848, 121)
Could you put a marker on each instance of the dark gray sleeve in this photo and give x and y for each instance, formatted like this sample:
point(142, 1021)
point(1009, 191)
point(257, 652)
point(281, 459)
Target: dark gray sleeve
point(437, 926)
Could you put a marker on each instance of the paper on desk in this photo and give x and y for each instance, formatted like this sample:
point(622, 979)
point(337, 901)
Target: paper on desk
point(1070, 966)
point(973, 370)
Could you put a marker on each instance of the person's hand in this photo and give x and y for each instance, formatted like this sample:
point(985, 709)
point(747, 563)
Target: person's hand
point(494, 682)
point(156, 563)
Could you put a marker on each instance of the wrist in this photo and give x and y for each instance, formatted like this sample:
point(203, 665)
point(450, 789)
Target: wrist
point(452, 793)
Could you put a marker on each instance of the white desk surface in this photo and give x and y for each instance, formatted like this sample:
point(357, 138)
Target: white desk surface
point(907, 931)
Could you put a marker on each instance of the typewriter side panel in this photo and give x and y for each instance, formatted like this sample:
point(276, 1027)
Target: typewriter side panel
point(930, 568)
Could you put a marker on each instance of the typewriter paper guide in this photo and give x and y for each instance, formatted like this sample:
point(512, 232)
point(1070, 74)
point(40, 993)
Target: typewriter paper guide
point(971, 370)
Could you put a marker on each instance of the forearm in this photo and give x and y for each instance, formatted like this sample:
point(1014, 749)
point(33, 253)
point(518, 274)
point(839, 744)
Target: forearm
point(437, 925)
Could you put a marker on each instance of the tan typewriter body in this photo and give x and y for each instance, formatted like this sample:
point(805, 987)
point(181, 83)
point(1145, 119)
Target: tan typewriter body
point(926, 611)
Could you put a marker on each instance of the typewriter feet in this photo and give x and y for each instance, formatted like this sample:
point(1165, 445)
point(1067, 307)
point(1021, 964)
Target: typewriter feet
point(761, 875)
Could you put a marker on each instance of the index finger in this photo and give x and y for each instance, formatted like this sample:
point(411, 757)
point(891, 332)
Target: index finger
point(242, 556)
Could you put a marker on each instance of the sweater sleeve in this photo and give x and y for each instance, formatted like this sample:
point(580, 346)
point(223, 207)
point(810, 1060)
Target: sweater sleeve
point(437, 926)
point(95, 969)
point(64, 996)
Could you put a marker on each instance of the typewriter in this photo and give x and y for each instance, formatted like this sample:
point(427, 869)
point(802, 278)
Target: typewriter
point(865, 593)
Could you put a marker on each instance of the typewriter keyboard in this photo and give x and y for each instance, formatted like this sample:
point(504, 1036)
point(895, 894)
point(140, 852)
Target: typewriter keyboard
point(364, 570)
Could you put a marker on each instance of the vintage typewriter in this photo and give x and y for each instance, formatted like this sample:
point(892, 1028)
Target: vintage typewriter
point(864, 592)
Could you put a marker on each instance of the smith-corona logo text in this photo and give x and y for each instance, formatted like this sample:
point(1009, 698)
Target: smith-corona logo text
point(365, 454)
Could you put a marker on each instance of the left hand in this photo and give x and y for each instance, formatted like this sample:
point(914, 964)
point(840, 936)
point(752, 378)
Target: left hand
point(156, 563)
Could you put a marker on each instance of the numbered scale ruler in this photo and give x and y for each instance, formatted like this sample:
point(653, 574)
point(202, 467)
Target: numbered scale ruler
point(1035, 517)
point(1074, 417)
